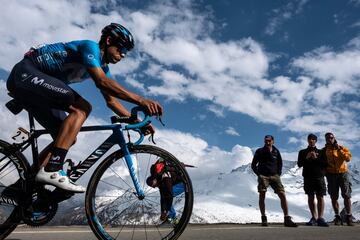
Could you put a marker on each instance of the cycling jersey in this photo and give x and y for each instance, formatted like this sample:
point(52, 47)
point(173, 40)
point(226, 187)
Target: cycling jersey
point(40, 81)
point(68, 61)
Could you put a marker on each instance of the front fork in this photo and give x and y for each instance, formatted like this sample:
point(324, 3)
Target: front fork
point(130, 164)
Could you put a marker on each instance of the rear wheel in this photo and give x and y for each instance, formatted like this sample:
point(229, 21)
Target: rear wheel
point(115, 212)
point(13, 173)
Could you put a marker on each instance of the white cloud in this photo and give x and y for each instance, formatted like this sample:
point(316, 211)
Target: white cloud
point(217, 110)
point(28, 23)
point(294, 140)
point(176, 50)
point(283, 14)
point(186, 147)
point(232, 131)
point(173, 85)
point(335, 79)
point(209, 160)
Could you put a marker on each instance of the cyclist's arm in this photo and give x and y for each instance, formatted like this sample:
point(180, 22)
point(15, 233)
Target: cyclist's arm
point(115, 105)
point(112, 88)
point(120, 110)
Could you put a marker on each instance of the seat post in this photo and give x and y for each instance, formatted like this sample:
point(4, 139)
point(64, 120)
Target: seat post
point(34, 145)
point(31, 122)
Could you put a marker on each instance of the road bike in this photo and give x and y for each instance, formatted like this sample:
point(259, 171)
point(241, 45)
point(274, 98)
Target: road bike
point(118, 202)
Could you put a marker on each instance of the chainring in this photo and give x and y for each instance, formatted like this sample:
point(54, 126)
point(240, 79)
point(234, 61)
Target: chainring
point(40, 211)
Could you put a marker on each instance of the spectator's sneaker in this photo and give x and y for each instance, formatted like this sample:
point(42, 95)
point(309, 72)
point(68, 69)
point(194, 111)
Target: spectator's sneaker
point(337, 220)
point(164, 216)
point(173, 221)
point(312, 222)
point(288, 222)
point(349, 220)
point(321, 222)
point(264, 222)
point(58, 179)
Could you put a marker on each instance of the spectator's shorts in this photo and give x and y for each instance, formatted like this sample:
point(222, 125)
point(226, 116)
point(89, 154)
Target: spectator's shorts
point(274, 181)
point(336, 181)
point(314, 186)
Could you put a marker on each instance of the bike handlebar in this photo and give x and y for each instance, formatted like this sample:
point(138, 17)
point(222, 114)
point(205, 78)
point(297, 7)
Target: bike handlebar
point(134, 126)
point(143, 123)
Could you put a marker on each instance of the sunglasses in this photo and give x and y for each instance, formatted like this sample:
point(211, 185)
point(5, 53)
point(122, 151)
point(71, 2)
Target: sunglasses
point(123, 50)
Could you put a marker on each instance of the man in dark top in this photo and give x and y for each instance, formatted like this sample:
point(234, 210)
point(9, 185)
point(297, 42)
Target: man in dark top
point(267, 165)
point(314, 182)
point(170, 185)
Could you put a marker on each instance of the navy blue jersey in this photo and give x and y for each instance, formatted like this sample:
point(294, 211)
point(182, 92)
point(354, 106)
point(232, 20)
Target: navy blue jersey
point(68, 61)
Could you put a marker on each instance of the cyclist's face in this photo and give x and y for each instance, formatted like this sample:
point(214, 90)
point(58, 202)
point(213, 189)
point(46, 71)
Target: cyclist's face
point(114, 54)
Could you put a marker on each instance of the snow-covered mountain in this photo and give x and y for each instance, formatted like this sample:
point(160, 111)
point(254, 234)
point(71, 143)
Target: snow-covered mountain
point(233, 198)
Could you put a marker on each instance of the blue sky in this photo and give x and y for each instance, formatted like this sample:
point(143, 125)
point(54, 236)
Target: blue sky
point(226, 72)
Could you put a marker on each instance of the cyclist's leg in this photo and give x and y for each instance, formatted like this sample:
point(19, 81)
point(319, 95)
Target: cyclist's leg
point(78, 113)
point(37, 90)
point(51, 120)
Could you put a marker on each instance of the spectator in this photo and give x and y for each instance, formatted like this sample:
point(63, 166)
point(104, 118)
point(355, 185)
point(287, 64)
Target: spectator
point(167, 179)
point(314, 181)
point(267, 165)
point(337, 176)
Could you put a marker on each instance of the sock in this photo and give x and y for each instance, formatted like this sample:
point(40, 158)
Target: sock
point(57, 159)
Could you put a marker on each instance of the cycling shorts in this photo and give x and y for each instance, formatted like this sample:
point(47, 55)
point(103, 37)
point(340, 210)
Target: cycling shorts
point(46, 97)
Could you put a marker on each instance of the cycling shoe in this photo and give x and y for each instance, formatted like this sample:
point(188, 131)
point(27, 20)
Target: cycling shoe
point(58, 179)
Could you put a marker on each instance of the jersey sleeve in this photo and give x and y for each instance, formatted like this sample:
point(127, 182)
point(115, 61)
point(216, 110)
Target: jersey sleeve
point(90, 54)
point(106, 70)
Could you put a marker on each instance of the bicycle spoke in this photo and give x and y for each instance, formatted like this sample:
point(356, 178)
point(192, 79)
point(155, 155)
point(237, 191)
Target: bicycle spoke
point(127, 220)
point(113, 185)
point(147, 170)
point(6, 165)
point(120, 203)
point(158, 230)
point(12, 170)
point(151, 201)
point(123, 202)
point(144, 220)
point(119, 177)
point(151, 193)
point(121, 213)
point(138, 168)
point(133, 233)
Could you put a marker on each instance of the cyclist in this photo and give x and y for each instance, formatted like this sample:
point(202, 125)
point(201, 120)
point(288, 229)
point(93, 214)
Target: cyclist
point(40, 83)
point(167, 180)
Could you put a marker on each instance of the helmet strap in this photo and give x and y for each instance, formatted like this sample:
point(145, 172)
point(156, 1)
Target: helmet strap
point(105, 48)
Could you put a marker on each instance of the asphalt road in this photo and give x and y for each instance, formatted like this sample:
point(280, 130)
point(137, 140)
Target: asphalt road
point(205, 232)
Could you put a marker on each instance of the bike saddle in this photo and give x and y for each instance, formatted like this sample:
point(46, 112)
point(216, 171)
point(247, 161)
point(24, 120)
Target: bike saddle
point(14, 106)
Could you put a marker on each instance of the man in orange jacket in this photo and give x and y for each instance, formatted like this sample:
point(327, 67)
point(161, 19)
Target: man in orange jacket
point(337, 176)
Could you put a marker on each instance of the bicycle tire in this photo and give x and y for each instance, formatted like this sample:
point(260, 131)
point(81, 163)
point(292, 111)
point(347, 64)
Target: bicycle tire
point(96, 211)
point(14, 169)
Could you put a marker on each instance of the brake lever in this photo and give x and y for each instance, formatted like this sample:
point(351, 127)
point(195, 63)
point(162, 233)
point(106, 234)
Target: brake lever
point(160, 120)
point(151, 138)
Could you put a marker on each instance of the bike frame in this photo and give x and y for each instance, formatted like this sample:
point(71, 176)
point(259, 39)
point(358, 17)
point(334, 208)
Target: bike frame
point(117, 137)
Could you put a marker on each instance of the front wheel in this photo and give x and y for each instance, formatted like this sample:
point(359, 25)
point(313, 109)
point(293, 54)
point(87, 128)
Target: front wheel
point(114, 210)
